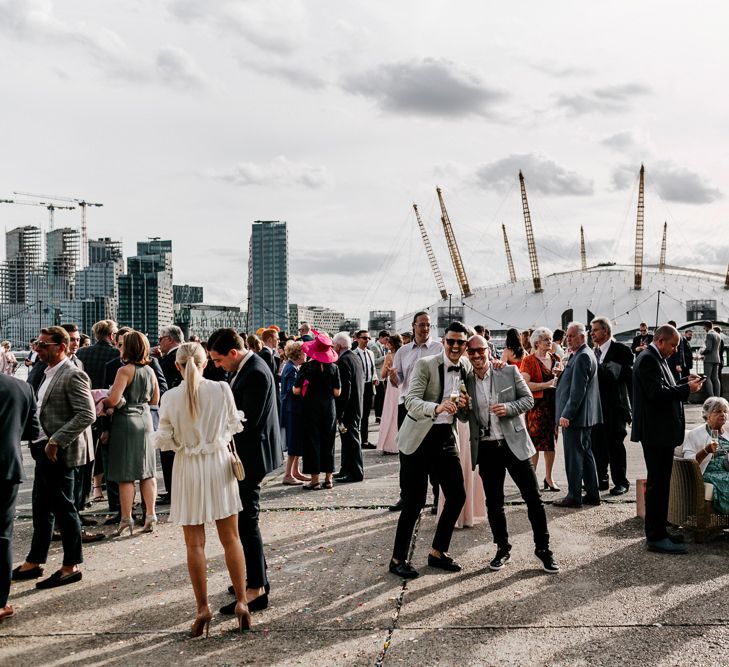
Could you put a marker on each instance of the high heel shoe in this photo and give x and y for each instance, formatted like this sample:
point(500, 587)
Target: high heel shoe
point(202, 622)
point(150, 523)
point(123, 525)
point(245, 621)
point(548, 487)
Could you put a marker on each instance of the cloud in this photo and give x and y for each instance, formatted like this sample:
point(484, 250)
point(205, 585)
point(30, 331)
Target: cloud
point(672, 182)
point(293, 74)
point(561, 72)
point(337, 263)
point(541, 174)
point(274, 27)
point(621, 141)
point(280, 171)
point(428, 87)
point(607, 99)
point(35, 21)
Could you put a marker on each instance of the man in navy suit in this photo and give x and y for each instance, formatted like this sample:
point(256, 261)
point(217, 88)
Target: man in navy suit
point(259, 447)
point(578, 410)
point(18, 421)
point(659, 425)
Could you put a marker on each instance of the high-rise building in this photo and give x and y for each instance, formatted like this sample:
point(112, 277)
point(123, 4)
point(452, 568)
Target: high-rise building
point(350, 325)
point(268, 275)
point(202, 319)
point(145, 291)
point(23, 255)
point(381, 320)
point(187, 294)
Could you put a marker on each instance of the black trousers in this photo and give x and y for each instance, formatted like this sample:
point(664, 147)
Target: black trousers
point(494, 460)
point(608, 447)
point(8, 496)
point(380, 390)
point(364, 426)
point(437, 452)
point(401, 414)
point(53, 496)
point(167, 458)
point(351, 463)
point(250, 532)
point(112, 488)
point(659, 464)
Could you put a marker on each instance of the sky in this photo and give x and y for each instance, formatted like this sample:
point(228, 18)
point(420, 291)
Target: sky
point(190, 119)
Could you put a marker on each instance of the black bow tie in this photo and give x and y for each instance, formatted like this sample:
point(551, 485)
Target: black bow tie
point(453, 368)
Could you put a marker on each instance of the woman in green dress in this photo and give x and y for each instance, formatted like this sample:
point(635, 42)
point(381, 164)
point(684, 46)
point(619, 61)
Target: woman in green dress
point(131, 444)
point(708, 444)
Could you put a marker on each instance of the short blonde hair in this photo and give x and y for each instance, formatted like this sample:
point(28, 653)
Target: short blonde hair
point(135, 349)
point(293, 350)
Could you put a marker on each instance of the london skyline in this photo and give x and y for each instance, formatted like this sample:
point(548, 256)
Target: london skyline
point(189, 121)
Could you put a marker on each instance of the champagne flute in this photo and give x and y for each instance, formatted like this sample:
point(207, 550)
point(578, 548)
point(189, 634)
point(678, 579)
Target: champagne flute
point(455, 389)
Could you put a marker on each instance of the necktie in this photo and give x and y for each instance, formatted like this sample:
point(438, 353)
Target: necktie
point(598, 353)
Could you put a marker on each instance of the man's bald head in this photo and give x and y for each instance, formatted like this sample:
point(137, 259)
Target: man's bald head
point(666, 339)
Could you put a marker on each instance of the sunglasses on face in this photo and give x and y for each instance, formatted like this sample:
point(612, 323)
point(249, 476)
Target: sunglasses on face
point(476, 350)
point(43, 346)
point(455, 341)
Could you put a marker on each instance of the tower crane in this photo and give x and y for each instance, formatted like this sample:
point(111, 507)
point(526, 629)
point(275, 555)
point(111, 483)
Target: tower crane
point(431, 256)
point(662, 263)
point(639, 227)
point(533, 259)
point(83, 204)
point(509, 259)
point(453, 248)
point(583, 252)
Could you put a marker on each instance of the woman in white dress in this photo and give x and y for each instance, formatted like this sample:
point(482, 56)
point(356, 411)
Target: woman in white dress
point(197, 420)
point(386, 441)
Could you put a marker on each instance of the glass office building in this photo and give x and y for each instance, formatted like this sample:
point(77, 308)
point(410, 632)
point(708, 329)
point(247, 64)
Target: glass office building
point(268, 275)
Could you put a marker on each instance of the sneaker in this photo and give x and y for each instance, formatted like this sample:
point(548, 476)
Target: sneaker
point(502, 557)
point(547, 558)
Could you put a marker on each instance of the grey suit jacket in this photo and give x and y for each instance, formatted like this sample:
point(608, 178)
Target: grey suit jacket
point(425, 392)
point(67, 414)
point(578, 392)
point(509, 385)
point(712, 347)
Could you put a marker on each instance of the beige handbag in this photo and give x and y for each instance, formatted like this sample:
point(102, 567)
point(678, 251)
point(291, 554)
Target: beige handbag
point(235, 462)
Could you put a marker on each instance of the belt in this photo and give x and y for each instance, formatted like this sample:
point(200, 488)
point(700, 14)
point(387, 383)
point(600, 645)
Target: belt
point(493, 443)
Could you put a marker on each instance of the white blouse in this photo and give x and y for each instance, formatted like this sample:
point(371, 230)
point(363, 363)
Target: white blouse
point(696, 439)
point(217, 421)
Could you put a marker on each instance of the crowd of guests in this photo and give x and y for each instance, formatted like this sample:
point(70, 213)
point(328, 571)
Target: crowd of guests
point(459, 413)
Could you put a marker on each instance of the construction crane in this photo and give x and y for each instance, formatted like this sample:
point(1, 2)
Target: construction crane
point(583, 252)
point(639, 228)
point(509, 259)
point(662, 263)
point(431, 256)
point(82, 203)
point(533, 259)
point(453, 248)
point(52, 208)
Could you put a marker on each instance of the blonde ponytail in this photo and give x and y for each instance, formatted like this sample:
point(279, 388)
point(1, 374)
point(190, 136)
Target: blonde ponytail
point(191, 357)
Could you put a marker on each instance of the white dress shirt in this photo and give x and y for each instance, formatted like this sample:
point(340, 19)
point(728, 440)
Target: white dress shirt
point(405, 358)
point(449, 377)
point(240, 366)
point(603, 350)
point(367, 359)
point(484, 400)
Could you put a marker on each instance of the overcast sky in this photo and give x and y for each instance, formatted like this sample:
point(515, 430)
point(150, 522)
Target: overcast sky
point(189, 119)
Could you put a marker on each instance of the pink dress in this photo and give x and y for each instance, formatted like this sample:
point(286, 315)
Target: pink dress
point(474, 511)
point(386, 441)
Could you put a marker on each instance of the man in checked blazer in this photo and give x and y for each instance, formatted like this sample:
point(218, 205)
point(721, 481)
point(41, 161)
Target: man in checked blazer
point(66, 412)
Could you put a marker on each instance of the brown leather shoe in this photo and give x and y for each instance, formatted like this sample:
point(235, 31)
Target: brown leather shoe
point(6, 612)
point(87, 537)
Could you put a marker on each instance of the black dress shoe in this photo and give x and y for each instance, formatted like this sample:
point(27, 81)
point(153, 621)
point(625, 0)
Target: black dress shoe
point(590, 501)
point(339, 475)
point(404, 570)
point(676, 538)
point(266, 588)
point(348, 480)
point(566, 502)
point(502, 557)
point(259, 603)
point(368, 445)
point(24, 575)
point(397, 507)
point(443, 562)
point(113, 520)
point(604, 485)
point(619, 490)
point(85, 521)
point(59, 579)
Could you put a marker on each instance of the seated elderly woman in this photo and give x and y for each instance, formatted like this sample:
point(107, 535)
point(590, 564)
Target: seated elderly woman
point(702, 445)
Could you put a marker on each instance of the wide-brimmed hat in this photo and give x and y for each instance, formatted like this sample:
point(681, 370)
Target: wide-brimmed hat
point(320, 349)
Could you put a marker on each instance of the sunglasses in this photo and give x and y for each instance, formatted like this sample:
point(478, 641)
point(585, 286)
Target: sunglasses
point(455, 341)
point(476, 350)
point(43, 345)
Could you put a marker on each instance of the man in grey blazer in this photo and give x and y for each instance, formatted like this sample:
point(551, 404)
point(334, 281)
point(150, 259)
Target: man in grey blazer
point(500, 442)
point(66, 412)
point(711, 360)
point(578, 410)
point(427, 442)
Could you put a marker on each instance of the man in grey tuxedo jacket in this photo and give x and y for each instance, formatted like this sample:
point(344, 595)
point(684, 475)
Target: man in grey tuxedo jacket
point(500, 442)
point(66, 412)
point(578, 410)
point(427, 442)
point(711, 359)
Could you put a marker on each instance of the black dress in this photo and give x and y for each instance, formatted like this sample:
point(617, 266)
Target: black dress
point(317, 381)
